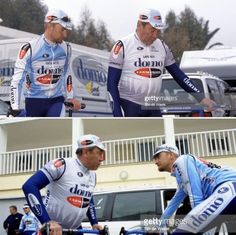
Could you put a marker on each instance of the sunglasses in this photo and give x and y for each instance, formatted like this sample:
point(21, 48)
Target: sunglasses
point(65, 19)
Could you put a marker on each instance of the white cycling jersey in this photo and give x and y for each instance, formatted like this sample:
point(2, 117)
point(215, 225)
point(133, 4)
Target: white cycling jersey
point(142, 67)
point(69, 192)
point(44, 67)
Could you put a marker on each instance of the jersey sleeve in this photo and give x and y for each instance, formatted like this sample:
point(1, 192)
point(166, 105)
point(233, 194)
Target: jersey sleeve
point(116, 59)
point(68, 82)
point(54, 169)
point(20, 73)
point(190, 178)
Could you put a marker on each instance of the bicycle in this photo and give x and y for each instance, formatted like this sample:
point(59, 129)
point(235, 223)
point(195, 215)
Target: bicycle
point(45, 230)
point(137, 232)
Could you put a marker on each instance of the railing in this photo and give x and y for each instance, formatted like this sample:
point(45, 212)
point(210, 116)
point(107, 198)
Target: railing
point(31, 160)
point(208, 143)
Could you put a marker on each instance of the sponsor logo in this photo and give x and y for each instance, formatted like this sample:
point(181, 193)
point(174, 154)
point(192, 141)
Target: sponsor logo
point(86, 142)
point(69, 83)
point(148, 72)
point(140, 48)
point(24, 50)
point(197, 220)
point(44, 70)
point(35, 205)
point(88, 69)
point(28, 82)
point(45, 55)
point(91, 89)
point(78, 201)
point(143, 17)
point(48, 79)
point(148, 63)
point(223, 190)
point(117, 47)
point(59, 162)
point(6, 68)
point(80, 174)
point(76, 190)
point(158, 17)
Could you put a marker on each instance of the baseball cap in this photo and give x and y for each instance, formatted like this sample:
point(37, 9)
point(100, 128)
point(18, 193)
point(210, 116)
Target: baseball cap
point(87, 141)
point(166, 148)
point(153, 17)
point(26, 206)
point(60, 17)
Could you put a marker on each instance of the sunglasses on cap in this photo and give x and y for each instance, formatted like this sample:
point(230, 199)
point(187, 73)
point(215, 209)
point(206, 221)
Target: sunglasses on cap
point(54, 18)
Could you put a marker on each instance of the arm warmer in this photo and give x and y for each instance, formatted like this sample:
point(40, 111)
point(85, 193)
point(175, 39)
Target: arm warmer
point(91, 213)
point(182, 79)
point(31, 189)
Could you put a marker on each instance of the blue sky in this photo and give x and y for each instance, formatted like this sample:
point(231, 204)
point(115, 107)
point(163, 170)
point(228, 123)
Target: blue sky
point(121, 16)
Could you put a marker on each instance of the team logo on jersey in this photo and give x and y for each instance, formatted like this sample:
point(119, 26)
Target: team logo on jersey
point(78, 201)
point(28, 82)
point(45, 55)
point(223, 190)
point(69, 83)
point(117, 47)
point(48, 79)
point(24, 50)
point(148, 72)
point(140, 48)
point(59, 162)
point(80, 174)
point(35, 205)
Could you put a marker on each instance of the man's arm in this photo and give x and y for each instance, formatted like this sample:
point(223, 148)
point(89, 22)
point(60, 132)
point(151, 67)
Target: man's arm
point(116, 61)
point(20, 73)
point(31, 189)
point(185, 82)
point(22, 225)
point(6, 223)
point(112, 87)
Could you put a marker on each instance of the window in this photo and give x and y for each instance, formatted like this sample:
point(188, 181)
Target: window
point(100, 202)
point(132, 205)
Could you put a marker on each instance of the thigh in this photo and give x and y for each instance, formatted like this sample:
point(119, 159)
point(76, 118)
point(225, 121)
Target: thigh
point(35, 107)
point(56, 109)
point(131, 109)
point(209, 213)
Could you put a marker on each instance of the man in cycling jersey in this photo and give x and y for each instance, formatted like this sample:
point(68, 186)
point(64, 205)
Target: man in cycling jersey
point(211, 189)
point(70, 184)
point(42, 66)
point(136, 66)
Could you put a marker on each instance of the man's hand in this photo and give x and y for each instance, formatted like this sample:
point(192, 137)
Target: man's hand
point(76, 104)
point(55, 228)
point(209, 103)
point(97, 227)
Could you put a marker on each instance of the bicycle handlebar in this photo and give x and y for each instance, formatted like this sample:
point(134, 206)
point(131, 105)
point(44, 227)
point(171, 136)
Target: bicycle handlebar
point(126, 232)
point(104, 231)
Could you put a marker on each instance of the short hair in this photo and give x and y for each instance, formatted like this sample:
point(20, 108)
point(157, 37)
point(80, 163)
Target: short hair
point(14, 207)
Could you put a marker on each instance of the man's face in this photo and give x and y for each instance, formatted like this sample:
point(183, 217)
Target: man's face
point(58, 33)
point(94, 158)
point(148, 34)
point(12, 210)
point(164, 161)
point(26, 210)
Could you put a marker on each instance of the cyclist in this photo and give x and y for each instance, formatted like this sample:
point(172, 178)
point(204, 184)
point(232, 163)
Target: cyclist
point(29, 223)
point(70, 184)
point(43, 64)
point(136, 65)
point(211, 189)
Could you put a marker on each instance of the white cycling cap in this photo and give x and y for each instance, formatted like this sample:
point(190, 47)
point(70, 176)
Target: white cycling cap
point(153, 17)
point(60, 17)
point(87, 141)
point(166, 148)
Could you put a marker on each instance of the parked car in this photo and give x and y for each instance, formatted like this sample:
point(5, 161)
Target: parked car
point(136, 208)
point(177, 101)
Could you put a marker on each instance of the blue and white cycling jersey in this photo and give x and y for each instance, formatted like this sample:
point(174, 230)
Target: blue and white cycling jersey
point(44, 67)
point(28, 223)
point(198, 179)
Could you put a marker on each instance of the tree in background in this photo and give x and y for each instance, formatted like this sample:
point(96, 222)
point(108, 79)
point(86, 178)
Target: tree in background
point(25, 15)
point(186, 32)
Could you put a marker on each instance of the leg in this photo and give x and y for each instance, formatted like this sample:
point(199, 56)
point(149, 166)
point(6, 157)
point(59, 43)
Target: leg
point(56, 108)
point(131, 109)
point(35, 107)
point(206, 215)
